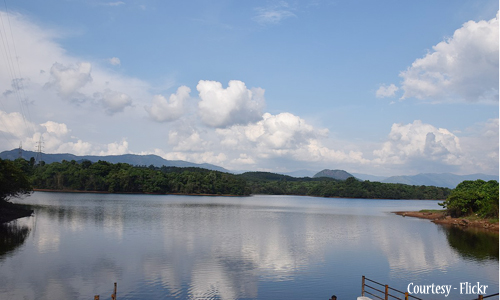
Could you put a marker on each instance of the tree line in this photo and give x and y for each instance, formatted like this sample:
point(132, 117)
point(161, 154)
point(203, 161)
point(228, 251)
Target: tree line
point(103, 176)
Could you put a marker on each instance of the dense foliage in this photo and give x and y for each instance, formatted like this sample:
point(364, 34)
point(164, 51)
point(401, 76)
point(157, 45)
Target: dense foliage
point(13, 181)
point(473, 197)
point(124, 178)
point(327, 187)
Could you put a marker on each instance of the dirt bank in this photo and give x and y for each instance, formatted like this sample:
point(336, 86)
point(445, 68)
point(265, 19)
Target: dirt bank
point(442, 218)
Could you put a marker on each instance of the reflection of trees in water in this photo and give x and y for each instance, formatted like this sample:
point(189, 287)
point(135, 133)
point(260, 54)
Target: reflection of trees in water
point(477, 245)
point(12, 235)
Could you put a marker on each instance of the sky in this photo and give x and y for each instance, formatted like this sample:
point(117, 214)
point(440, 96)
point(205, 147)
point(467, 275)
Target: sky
point(375, 87)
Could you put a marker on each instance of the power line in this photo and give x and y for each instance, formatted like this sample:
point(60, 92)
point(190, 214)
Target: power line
point(15, 73)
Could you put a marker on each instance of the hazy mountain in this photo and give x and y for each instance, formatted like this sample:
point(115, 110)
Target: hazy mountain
point(132, 159)
point(300, 173)
point(369, 177)
point(443, 180)
point(335, 174)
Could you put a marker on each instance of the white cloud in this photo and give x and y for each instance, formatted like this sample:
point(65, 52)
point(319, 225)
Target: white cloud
point(69, 79)
point(282, 131)
point(236, 104)
point(283, 136)
point(186, 140)
point(480, 142)
point(14, 124)
point(116, 148)
point(116, 3)
point(461, 68)
point(163, 110)
point(59, 129)
point(113, 101)
point(115, 61)
point(243, 159)
point(386, 91)
point(78, 148)
point(273, 14)
point(209, 157)
point(419, 141)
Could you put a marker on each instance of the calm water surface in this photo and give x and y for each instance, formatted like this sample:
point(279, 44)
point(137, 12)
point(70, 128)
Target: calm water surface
point(261, 247)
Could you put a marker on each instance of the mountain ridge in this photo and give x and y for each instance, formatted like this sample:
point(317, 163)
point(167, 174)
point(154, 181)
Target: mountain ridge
point(132, 159)
point(448, 180)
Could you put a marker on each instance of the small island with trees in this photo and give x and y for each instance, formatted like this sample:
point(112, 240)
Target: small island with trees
point(473, 203)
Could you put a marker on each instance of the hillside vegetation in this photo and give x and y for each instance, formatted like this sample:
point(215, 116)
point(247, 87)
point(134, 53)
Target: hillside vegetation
point(473, 197)
point(123, 178)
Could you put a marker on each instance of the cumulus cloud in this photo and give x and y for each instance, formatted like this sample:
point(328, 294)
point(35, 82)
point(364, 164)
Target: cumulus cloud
point(273, 14)
point(419, 141)
point(280, 132)
point(113, 101)
point(481, 142)
point(116, 148)
point(59, 129)
point(236, 104)
point(386, 91)
point(186, 139)
point(115, 61)
point(14, 124)
point(283, 136)
point(461, 68)
point(69, 79)
point(163, 110)
point(78, 148)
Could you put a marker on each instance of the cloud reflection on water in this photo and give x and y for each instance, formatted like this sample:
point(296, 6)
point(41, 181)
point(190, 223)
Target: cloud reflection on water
point(217, 248)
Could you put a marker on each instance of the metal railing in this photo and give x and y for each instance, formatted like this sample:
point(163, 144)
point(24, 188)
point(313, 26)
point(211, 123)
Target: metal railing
point(386, 292)
point(481, 297)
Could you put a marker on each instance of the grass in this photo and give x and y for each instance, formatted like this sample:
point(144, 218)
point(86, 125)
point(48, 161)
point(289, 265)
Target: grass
point(432, 210)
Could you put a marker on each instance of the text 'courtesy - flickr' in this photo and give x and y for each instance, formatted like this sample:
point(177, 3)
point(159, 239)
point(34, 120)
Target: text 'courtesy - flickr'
point(466, 288)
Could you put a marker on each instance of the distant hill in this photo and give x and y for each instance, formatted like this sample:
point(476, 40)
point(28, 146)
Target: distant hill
point(132, 159)
point(268, 176)
point(300, 173)
point(335, 174)
point(369, 177)
point(442, 180)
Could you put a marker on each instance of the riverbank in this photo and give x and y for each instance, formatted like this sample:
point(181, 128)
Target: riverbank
point(440, 217)
point(10, 211)
point(134, 193)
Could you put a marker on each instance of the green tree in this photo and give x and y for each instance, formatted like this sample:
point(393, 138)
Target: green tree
point(13, 181)
point(470, 197)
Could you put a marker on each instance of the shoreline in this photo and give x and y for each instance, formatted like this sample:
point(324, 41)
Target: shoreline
point(13, 211)
point(442, 219)
point(133, 193)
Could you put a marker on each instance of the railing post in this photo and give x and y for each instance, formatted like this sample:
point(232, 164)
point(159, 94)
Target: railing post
point(386, 292)
point(480, 297)
point(113, 296)
point(96, 297)
point(406, 295)
point(363, 285)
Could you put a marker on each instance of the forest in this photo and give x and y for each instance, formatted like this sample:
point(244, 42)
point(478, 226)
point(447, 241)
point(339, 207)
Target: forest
point(103, 176)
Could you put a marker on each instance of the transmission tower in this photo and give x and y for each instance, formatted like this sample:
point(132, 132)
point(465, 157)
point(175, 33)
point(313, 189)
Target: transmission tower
point(39, 147)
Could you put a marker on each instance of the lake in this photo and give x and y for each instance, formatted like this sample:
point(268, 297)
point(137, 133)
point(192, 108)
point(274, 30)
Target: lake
point(260, 247)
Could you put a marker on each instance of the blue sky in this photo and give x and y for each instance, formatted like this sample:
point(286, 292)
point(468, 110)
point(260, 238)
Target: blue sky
point(376, 87)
